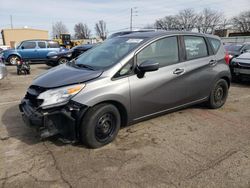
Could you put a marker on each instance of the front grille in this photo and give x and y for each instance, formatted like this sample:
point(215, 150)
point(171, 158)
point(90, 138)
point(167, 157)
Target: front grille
point(247, 65)
point(32, 94)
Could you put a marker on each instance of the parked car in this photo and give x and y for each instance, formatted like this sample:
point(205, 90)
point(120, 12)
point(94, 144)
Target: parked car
point(32, 50)
point(235, 50)
point(3, 70)
point(240, 66)
point(56, 58)
point(124, 80)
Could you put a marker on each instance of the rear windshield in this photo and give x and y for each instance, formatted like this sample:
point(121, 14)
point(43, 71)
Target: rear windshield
point(233, 47)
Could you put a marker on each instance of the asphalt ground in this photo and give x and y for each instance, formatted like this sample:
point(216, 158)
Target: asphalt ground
point(193, 147)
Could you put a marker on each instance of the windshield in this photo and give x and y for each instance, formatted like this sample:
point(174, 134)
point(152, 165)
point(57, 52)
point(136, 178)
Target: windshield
point(233, 47)
point(108, 53)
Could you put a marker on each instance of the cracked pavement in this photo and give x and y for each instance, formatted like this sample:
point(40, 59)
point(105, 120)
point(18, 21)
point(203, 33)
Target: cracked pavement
point(193, 147)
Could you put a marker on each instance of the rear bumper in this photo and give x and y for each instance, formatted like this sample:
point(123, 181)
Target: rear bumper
point(63, 121)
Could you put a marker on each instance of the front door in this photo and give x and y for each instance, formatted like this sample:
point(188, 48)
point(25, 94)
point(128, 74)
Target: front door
point(28, 50)
point(163, 89)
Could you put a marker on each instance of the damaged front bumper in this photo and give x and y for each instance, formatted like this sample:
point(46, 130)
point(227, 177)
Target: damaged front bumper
point(63, 121)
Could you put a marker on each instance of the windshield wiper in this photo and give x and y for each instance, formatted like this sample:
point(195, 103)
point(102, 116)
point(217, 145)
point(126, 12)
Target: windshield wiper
point(85, 66)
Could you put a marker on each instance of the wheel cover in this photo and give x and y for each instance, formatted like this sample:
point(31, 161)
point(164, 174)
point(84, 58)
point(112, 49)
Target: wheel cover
point(105, 127)
point(13, 60)
point(219, 94)
point(63, 60)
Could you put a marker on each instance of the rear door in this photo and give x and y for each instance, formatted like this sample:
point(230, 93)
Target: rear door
point(162, 89)
point(42, 49)
point(28, 50)
point(200, 63)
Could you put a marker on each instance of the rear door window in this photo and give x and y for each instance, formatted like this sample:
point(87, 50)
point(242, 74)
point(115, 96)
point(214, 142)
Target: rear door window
point(29, 45)
point(163, 51)
point(41, 44)
point(215, 44)
point(195, 47)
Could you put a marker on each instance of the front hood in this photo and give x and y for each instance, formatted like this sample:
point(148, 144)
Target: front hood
point(233, 53)
point(65, 75)
point(244, 56)
point(9, 50)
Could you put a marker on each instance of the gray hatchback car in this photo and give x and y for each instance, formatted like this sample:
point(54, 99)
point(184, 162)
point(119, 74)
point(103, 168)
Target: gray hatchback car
point(125, 80)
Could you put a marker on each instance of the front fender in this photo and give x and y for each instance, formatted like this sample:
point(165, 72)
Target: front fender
point(6, 55)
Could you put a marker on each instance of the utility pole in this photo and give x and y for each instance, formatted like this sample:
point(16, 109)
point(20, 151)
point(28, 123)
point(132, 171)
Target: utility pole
point(11, 24)
point(132, 13)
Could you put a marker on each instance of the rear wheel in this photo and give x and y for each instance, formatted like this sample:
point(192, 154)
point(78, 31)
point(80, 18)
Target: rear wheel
point(62, 61)
point(100, 125)
point(13, 59)
point(218, 95)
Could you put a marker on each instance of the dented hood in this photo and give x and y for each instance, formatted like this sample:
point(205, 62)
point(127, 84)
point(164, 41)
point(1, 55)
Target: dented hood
point(65, 75)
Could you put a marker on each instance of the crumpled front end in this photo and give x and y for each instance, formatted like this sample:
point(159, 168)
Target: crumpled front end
point(59, 120)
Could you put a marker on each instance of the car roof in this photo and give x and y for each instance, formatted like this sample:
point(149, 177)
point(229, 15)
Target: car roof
point(156, 34)
point(34, 40)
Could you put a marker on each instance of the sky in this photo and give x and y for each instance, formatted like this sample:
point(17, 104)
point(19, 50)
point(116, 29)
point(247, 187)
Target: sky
point(41, 14)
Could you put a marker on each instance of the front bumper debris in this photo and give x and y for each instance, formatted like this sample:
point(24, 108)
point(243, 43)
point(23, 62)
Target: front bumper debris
point(63, 121)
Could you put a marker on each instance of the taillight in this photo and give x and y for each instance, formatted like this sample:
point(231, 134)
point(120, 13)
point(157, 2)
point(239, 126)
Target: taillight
point(227, 58)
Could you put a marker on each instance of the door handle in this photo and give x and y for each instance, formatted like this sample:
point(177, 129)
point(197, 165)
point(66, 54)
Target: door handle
point(212, 62)
point(178, 71)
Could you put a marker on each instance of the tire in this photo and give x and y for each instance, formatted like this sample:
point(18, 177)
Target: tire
point(218, 95)
point(13, 59)
point(62, 61)
point(100, 125)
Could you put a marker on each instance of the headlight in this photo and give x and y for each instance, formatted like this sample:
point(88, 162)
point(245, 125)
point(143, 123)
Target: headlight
point(69, 55)
point(54, 57)
point(59, 96)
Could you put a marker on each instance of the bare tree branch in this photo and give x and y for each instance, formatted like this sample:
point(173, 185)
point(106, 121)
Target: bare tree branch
point(101, 29)
point(82, 31)
point(242, 22)
point(58, 28)
point(187, 19)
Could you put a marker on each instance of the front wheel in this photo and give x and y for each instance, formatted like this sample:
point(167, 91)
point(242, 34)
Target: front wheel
point(13, 59)
point(62, 61)
point(218, 95)
point(100, 125)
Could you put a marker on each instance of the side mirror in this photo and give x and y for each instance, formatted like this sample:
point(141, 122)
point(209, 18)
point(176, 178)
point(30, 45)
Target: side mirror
point(22, 47)
point(147, 66)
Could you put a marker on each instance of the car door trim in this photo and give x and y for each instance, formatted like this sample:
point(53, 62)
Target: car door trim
point(170, 109)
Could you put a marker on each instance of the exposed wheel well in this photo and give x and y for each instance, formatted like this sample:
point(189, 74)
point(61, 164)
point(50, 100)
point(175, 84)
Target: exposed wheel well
point(227, 79)
point(12, 55)
point(122, 111)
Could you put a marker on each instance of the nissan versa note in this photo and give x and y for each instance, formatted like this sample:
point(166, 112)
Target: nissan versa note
point(125, 80)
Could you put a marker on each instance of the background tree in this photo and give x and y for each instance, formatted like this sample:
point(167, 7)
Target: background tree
point(186, 19)
point(208, 20)
point(242, 22)
point(82, 31)
point(168, 23)
point(58, 28)
point(101, 30)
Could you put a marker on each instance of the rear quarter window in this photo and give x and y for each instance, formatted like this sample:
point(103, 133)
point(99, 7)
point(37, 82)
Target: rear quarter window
point(53, 44)
point(215, 43)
